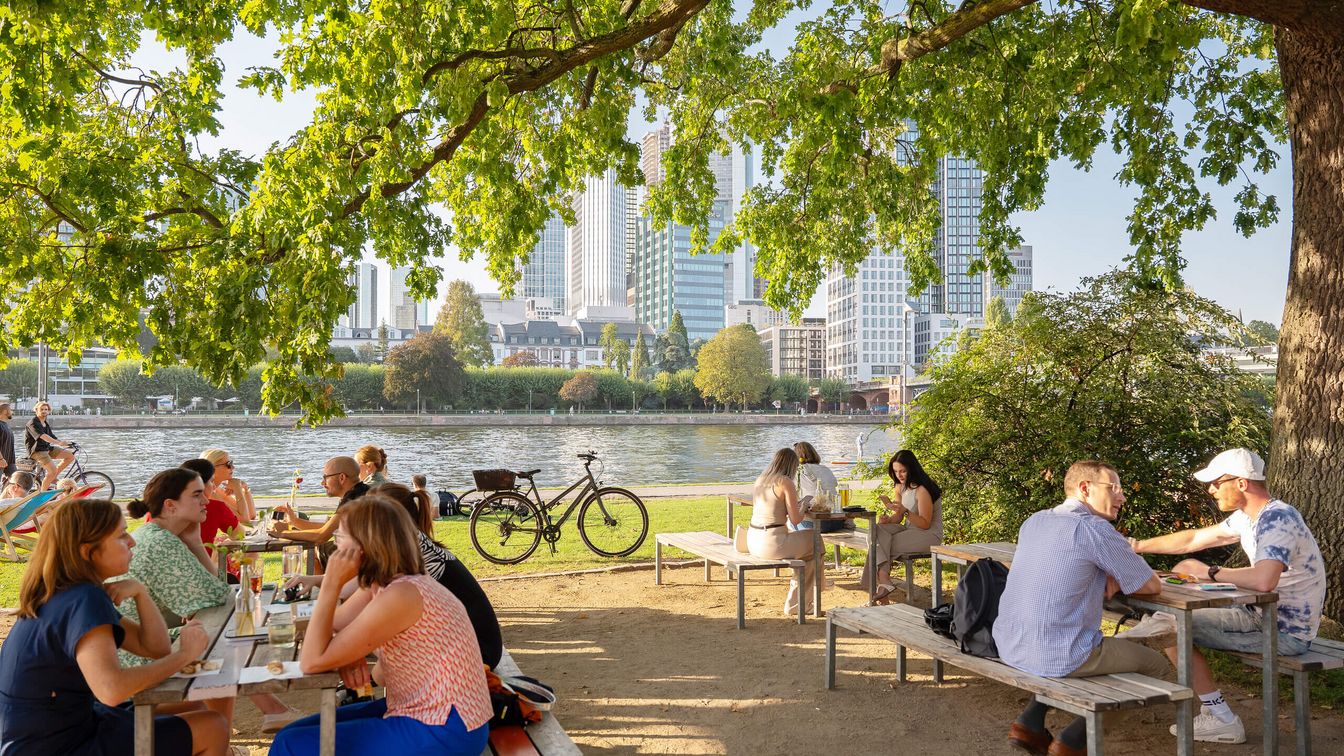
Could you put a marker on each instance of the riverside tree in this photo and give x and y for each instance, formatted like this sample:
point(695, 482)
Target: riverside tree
point(733, 367)
point(1112, 371)
point(497, 110)
point(579, 389)
point(463, 322)
point(425, 364)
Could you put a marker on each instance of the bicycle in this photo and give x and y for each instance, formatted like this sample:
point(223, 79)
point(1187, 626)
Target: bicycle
point(75, 471)
point(507, 526)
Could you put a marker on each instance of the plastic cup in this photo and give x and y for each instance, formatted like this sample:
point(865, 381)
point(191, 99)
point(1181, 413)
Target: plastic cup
point(280, 631)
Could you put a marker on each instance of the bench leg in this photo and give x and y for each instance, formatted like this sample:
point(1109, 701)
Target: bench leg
point(1270, 675)
point(1096, 739)
point(937, 588)
point(900, 663)
point(657, 562)
point(741, 599)
point(909, 565)
point(837, 557)
point(799, 573)
point(144, 731)
point(1302, 704)
point(830, 653)
point(706, 570)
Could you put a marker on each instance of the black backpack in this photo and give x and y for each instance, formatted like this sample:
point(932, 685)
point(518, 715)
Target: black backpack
point(939, 619)
point(976, 605)
point(447, 504)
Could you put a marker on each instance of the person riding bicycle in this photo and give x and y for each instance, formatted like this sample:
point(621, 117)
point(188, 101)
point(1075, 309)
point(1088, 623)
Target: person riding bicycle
point(8, 461)
point(44, 447)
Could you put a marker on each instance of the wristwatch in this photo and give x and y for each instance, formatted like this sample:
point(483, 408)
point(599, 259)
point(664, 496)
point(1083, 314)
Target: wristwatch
point(1213, 572)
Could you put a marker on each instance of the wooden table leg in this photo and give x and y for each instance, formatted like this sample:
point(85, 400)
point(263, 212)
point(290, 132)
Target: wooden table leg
point(937, 588)
point(872, 558)
point(1269, 620)
point(144, 730)
point(731, 533)
point(327, 723)
point(1185, 710)
point(830, 653)
point(818, 571)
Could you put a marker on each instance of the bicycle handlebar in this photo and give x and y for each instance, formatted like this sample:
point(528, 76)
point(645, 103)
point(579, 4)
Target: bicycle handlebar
point(590, 456)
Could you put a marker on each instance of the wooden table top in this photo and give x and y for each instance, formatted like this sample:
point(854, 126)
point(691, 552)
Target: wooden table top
point(1184, 597)
point(236, 654)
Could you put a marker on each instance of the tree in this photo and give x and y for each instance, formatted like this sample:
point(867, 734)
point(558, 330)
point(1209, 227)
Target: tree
point(677, 354)
point(463, 322)
point(361, 387)
point(344, 354)
point(996, 313)
point(499, 122)
point(18, 379)
point(1112, 371)
point(833, 391)
point(382, 342)
point(124, 381)
point(579, 389)
point(367, 353)
point(1260, 333)
point(519, 359)
point(425, 364)
point(788, 389)
point(639, 360)
point(733, 367)
point(608, 340)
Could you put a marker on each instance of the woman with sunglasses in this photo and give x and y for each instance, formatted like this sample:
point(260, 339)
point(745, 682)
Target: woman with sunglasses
point(228, 489)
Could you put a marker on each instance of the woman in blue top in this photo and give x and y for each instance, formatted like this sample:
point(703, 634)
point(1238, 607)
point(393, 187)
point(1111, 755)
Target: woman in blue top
point(62, 690)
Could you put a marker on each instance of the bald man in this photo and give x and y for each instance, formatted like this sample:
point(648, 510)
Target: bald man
point(340, 479)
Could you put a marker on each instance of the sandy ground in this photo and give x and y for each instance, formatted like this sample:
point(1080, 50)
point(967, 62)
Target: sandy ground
point(641, 668)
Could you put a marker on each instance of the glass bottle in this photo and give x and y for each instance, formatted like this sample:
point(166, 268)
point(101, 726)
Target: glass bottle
point(244, 621)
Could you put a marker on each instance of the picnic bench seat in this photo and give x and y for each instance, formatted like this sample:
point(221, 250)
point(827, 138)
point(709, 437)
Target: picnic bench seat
point(1324, 654)
point(546, 737)
point(1088, 697)
point(718, 549)
point(857, 539)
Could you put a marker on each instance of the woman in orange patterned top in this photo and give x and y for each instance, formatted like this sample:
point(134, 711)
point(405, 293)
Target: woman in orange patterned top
point(437, 699)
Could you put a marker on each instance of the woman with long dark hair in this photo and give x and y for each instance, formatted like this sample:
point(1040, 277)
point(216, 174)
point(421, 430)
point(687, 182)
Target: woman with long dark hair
point(912, 524)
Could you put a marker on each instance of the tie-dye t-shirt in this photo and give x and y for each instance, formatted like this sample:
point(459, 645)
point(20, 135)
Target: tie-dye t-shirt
point(1281, 534)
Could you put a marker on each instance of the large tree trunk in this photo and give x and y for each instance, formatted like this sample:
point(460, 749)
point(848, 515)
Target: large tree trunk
point(1307, 459)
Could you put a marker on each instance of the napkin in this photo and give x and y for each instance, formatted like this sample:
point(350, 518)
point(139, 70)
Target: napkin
point(261, 674)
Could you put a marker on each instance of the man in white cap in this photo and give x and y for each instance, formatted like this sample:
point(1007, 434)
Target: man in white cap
point(1284, 558)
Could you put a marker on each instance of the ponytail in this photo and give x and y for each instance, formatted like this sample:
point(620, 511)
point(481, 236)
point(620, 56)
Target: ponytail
point(137, 508)
point(165, 485)
point(416, 503)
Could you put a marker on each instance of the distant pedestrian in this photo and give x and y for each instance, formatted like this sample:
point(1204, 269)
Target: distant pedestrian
point(7, 460)
point(418, 482)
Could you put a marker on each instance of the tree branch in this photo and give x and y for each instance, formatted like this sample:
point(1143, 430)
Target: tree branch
point(1289, 13)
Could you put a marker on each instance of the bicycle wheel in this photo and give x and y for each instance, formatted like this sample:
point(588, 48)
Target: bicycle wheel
point(613, 522)
point(93, 478)
point(468, 501)
point(506, 528)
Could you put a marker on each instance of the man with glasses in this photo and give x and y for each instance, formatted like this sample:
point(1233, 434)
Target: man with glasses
point(1069, 560)
point(340, 479)
point(1284, 558)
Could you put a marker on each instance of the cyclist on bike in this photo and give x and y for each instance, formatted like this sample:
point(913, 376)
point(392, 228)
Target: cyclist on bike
point(7, 459)
point(44, 447)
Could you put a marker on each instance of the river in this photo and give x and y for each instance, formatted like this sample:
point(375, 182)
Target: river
point(631, 455)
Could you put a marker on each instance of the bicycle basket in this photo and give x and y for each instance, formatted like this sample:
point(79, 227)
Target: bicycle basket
point(493, 480)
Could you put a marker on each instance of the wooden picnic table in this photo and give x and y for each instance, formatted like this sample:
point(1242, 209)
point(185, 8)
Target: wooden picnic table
point(261, 544)
point(740, 500)
point(236, 654)
point(1179, 600)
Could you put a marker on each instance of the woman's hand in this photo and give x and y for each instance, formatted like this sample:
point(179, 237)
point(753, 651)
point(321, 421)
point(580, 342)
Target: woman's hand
point(121, 590)
point(193, 640)
point(306, 582)
point(886, 502)
point(344, 564)
point(356, 676)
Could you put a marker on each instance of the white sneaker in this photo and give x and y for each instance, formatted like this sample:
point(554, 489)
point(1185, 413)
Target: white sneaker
point(1211, 729)
point(1156, 631)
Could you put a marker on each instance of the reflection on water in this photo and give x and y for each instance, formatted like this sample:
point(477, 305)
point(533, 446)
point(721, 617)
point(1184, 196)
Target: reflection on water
point(667, 454)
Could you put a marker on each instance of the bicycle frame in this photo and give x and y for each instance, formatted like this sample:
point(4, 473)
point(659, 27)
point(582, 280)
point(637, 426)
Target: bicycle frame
point(588, 485)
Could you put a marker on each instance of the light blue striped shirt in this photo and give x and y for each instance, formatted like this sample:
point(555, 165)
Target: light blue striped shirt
point(1050, 612)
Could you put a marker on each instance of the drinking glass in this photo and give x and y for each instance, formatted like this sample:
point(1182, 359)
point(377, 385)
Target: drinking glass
point(291, 562)
point(280, 630)
point(257, 567)
point(844, 495)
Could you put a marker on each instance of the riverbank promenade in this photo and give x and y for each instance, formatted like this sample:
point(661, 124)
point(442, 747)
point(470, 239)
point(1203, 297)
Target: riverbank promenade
point(476, 420)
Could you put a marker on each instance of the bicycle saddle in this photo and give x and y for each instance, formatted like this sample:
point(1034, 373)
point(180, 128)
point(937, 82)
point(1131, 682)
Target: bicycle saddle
point(527, 474)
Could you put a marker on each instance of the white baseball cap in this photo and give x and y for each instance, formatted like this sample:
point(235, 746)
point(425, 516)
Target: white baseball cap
point(1239, 463)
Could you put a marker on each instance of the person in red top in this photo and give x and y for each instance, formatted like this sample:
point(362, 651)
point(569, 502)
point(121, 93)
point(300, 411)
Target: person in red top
point(218, 517)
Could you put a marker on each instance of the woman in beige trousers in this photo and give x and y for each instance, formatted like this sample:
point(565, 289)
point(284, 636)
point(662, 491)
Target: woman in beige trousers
point(775, 502)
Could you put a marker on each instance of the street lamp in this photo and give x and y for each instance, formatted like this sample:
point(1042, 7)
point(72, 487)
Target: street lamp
point(417, 401)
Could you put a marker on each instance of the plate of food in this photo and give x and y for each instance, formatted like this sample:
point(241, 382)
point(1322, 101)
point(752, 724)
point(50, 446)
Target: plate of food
point(200, 668)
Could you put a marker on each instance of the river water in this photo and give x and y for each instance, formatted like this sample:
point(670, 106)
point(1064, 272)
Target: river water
point(631, 455)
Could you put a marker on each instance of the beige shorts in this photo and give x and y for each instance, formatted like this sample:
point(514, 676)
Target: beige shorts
point(41, 457)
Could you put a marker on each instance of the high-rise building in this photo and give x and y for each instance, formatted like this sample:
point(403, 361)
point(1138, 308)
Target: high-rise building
point(1019, 283)
point(744, 284)
point(402, 309)
point(935, 334)
point(651, 150)
point(596, 251)
point(797, 349)
point(668, 278)
point(868, 319)
point(364, 312)
point(544, 274)
point(957, 246)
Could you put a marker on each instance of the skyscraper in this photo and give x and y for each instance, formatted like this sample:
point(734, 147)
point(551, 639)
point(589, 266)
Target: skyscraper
point(402, 309)
point(364, 312)
point(957, 245)
point(544, 274)
point(1019, 283)
point(745, 286)
point(595, 254)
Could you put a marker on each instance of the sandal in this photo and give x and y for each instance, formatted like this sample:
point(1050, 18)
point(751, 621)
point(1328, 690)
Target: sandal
point(883, 592)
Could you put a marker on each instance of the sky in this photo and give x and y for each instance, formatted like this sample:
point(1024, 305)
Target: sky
point(1079, 231)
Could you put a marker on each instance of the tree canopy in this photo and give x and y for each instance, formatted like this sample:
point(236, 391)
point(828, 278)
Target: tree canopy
point(423, 367)
point(463, 322)
point(733, 367)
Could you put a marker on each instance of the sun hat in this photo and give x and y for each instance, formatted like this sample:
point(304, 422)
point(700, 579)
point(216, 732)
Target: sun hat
point(1238, 463)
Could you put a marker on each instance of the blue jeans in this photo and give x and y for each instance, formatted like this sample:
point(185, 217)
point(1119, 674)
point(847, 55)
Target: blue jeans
point(1237, 628)
point(361, 729)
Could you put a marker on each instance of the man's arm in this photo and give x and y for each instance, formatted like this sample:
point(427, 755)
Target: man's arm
point(320, 533)
point(1186, 541)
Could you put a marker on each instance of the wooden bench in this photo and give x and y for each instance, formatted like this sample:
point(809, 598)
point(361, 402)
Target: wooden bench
point(717, 549)
point(1324, 654)
point(857, 539)
point(546, 737)
point(1088, 697)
